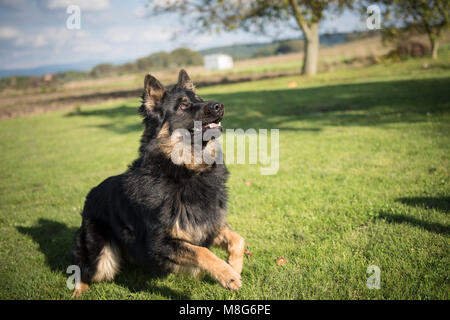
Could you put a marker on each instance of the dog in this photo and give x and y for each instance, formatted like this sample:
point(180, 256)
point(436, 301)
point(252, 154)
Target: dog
point(161, 215)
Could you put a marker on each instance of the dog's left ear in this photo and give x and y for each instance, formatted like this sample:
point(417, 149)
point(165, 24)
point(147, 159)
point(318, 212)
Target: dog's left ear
point(184, 82)
point(153, 92)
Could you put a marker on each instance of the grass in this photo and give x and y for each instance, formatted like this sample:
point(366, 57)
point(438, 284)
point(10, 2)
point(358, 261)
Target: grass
point(363, 180)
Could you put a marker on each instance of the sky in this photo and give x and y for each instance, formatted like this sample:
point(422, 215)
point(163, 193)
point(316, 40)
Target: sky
point(34, 33)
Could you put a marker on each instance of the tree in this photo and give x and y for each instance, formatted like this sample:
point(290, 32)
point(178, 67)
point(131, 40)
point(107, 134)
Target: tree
point(255, 15)
point(430, 17)
point(184, 57)
point(160, 59)
point(144, 63)
point(103, 69)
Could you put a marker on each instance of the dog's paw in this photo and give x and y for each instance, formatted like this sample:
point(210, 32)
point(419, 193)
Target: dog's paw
point(230, 279)
point(77, 293)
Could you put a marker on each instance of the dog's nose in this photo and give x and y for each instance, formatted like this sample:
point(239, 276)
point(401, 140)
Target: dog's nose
point(216, 107)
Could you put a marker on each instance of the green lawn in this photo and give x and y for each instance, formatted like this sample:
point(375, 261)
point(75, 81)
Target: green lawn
point(363, 180)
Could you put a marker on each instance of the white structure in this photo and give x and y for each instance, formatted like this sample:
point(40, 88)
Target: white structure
point(218, 61)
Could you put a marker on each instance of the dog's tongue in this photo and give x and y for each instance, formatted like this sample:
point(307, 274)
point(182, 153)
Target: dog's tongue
point(212, 125)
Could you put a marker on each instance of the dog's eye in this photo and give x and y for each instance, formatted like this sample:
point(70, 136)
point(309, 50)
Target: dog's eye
point(184, 106)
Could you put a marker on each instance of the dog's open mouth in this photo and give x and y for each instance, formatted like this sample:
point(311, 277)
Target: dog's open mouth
point(216, 124)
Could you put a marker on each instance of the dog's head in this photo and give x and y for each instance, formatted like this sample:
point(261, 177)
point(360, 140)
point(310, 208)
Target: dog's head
point(180, 106)
point(167, 110)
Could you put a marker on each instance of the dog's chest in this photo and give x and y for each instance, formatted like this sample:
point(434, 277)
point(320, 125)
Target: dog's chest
point(196, 214)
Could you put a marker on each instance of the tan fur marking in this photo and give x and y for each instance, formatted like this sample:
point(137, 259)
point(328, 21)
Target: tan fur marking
point(166, 145)
point(78, 292)
point(193, 271)
point(178, 233)
point(164, 132)
point(108, 264)
point(203, 259)
point(200, 167)
point(164, 140)
point(234, 244)
point(190, 86)
point(190, 233)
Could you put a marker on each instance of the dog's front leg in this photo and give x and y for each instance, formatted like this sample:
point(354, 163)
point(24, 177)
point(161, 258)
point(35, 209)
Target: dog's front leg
point(205, 260)
point(234, 244)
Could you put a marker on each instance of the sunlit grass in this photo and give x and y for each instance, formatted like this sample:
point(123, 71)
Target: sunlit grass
point(363, 180)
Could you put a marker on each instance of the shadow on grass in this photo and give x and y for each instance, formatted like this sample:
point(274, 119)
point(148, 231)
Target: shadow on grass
point(430, 226)
point(98, 96)
point(56, 241)
point(438, 203)
point(361, 104)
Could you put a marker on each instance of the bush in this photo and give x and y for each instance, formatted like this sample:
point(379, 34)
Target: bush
point(67, 76)
point(266, 51)
point(289, 46)
point(412, 49)
point(129, 67)
point(160, 60)
point(185, 57)
point(103, 69)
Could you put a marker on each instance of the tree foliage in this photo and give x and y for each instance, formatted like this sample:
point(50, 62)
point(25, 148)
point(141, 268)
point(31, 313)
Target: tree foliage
point(403, 18)
point(180, 57)
point(207, 15)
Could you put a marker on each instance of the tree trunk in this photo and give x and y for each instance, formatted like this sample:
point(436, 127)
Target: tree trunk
point(434, 48)
point(311, 50)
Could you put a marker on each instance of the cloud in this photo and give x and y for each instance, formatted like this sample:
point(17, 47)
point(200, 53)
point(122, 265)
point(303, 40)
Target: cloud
point(51, 37)
point(139, 34)
point(14, 4)
point(168, 3)
point(141, 12)
point(87, 5)
point(119, 34)
point(158, 34)
point(9, 33)
point(91, 46)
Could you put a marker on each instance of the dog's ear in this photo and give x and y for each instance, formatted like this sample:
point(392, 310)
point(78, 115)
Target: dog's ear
point(184, 82)
point(153, 92)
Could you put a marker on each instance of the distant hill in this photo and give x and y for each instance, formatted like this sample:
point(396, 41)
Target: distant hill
point(249, 50)
point(237, 51)
point(39, 71)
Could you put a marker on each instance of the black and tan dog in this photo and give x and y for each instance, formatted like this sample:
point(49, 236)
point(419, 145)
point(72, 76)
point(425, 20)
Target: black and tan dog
point(160, 215)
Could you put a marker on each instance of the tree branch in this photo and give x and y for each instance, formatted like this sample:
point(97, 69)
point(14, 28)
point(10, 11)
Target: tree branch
point(298, 15)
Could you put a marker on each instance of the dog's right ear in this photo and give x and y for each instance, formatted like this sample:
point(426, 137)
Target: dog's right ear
point(184, 82)
point(153, 92)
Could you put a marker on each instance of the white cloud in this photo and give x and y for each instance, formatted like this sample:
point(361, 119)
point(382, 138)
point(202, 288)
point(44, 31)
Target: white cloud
point(52, 37)
point(139, 34)
point(140, 12)
point(92, 47)
point(9, 33)
point(88, 5)
point(158, 34)
point(40, 41)
point(167, 3)
point(12, 3)
point(119, 34)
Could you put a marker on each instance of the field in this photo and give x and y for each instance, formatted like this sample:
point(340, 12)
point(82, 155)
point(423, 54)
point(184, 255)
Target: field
point(363, 180)
point(75, 93)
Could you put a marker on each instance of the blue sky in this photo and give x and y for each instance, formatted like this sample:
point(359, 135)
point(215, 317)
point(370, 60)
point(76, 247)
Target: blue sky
point(33, 33)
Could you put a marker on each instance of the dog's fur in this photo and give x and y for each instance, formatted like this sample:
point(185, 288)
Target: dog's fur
point(160, 215)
